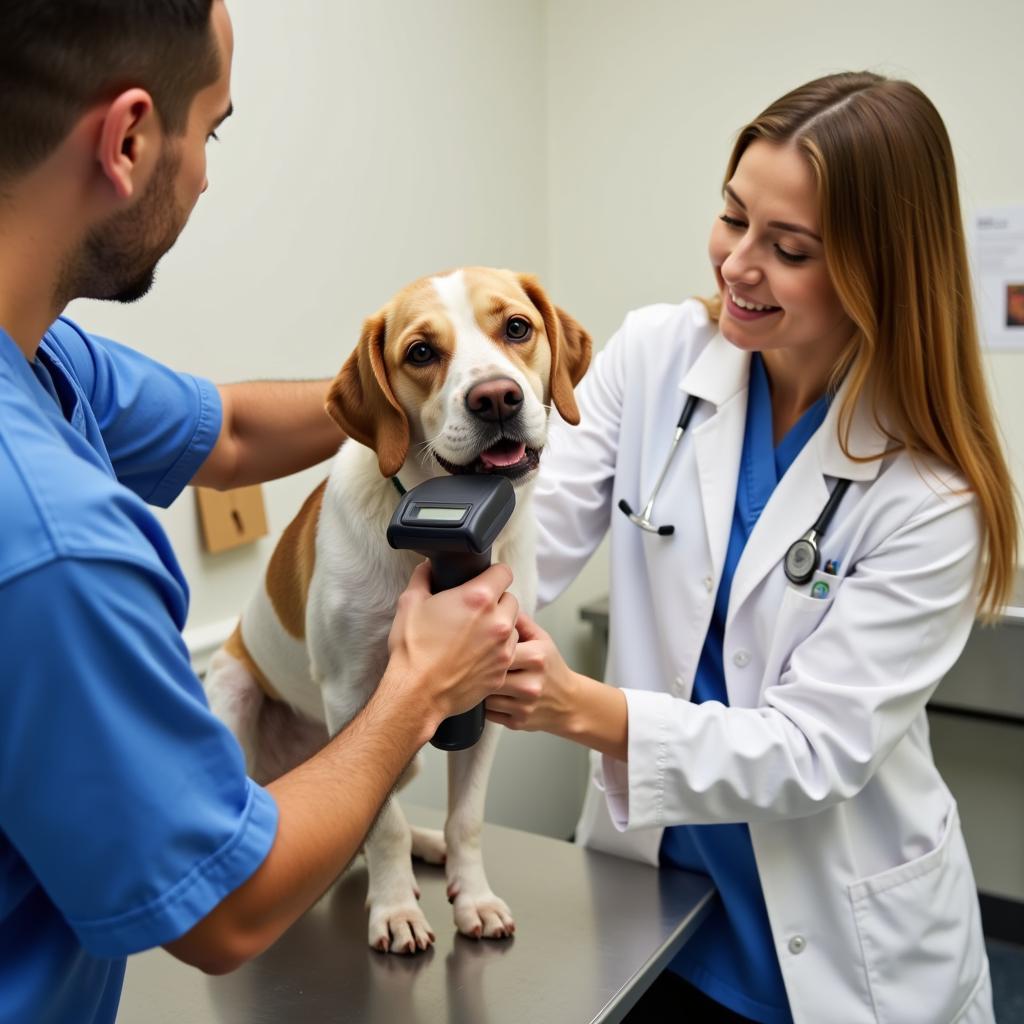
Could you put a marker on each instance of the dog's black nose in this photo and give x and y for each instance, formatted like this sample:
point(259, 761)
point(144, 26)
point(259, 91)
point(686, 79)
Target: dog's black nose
point(495, 400)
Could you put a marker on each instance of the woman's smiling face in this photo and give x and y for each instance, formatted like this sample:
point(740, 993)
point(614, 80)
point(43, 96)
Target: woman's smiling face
point(769, 259)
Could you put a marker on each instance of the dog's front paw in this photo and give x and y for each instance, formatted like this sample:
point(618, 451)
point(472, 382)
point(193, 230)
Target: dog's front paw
point(399, 929)
point(482, 915)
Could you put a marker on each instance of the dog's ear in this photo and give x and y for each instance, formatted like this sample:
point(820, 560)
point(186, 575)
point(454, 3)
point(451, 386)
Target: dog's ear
point(570, 349)
point(362, 403)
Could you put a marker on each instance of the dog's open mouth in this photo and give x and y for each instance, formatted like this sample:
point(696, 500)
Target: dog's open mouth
point(506, 458)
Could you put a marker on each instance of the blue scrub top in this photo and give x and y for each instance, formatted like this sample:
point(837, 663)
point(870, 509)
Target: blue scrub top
point(125, 811)
point(732, 957)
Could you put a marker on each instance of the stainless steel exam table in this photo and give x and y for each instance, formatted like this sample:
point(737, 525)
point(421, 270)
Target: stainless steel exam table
point(592, 932)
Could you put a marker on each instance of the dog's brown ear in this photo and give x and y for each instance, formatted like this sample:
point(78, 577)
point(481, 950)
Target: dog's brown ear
point(362, 403)
point(570, 349)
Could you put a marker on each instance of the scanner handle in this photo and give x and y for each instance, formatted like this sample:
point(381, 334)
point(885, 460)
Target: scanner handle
point(452, 569)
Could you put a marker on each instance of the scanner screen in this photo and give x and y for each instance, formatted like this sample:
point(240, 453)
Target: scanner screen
point(435, 514)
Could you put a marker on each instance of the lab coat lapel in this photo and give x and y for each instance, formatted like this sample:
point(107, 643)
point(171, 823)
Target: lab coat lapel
point(801, 494)
point(791, 511)
point(720, 377)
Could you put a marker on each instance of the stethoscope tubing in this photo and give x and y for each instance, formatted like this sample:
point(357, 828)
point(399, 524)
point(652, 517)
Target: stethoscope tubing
point(643, 520)
point(802, 557)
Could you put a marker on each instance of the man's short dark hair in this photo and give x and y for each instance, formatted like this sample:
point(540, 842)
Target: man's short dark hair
point(58, 57)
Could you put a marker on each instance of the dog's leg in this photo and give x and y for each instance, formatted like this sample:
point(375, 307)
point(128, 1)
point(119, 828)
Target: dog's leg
point(235, 698)
point(397, 924)
point(285, 740)
point(427, 843)
point(478, 912)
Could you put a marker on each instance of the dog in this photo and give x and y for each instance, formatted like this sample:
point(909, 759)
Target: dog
point(456, 374)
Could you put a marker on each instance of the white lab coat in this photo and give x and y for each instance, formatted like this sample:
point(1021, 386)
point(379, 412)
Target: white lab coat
point(824, 747)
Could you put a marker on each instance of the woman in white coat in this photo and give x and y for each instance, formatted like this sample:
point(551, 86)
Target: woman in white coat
point(771, 730)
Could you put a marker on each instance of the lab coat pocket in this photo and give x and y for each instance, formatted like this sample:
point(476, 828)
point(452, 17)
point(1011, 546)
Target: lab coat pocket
point(800, 611)
point(798, 616)
point(920, 934)
point(812, 598)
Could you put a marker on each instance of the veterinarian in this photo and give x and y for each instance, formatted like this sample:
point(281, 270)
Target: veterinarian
point(126, 818)
point(767, 726)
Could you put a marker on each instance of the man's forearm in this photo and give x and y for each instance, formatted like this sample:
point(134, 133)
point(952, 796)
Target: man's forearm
point(270, 429)
point(325, 806)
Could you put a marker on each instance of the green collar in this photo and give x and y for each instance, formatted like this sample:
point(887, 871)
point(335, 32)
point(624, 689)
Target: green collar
point(398, 485)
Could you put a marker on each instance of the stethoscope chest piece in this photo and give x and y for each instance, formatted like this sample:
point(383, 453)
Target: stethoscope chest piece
point(802, 560)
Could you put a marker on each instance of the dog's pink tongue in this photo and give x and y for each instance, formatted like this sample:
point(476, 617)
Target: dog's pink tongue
point(503, 454)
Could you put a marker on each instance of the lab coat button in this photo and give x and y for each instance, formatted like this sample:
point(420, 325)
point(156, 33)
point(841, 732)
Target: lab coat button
point(709, 584)
point(741, 659)
point(797, 944)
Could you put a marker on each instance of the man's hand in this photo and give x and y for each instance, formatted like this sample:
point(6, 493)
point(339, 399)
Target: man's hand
point(456, 645)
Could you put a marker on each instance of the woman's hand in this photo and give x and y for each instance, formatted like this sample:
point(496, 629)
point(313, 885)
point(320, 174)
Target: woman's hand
point(541, 692)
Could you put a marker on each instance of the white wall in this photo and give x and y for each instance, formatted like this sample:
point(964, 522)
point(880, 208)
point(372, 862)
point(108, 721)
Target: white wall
point(581, 139)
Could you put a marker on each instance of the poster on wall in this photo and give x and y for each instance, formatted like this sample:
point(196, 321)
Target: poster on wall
point(998, 259)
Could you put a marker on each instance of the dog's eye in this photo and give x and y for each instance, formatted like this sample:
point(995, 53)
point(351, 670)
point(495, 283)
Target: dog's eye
point(420, 354)
point(518, 328)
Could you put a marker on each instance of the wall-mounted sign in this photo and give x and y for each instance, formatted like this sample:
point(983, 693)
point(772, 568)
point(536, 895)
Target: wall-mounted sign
point(998, 258)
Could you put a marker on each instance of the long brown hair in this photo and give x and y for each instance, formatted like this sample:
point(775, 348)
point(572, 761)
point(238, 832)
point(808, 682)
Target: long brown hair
point(894, 245)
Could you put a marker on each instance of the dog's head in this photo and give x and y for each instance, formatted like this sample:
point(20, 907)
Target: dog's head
point(461, 369)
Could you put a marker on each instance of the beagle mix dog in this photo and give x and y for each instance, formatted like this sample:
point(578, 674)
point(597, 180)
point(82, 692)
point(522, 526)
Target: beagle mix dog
point(456, 374)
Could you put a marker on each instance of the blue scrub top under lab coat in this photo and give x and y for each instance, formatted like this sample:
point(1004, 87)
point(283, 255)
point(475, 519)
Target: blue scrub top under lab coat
point(732, 957)
point(125, 811)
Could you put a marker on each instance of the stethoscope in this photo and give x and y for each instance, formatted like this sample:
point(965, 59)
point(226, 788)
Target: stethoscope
point(803, 556)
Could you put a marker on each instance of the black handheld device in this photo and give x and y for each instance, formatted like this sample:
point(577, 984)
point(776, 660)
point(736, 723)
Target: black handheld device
point(453, 521)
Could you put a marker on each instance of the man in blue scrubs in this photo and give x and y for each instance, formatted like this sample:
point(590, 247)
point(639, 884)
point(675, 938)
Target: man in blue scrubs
point(126, 817)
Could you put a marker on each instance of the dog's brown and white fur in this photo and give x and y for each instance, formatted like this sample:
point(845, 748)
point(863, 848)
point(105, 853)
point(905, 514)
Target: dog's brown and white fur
point(442, 380)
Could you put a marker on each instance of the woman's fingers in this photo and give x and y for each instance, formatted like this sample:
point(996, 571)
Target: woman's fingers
point(506, 711)
point(529, 654)
point(500, 705)
point(528, 629)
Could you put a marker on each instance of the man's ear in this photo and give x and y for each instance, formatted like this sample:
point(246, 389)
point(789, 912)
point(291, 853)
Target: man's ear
point(129, 141)
point(362, 403)
point(570, 349)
